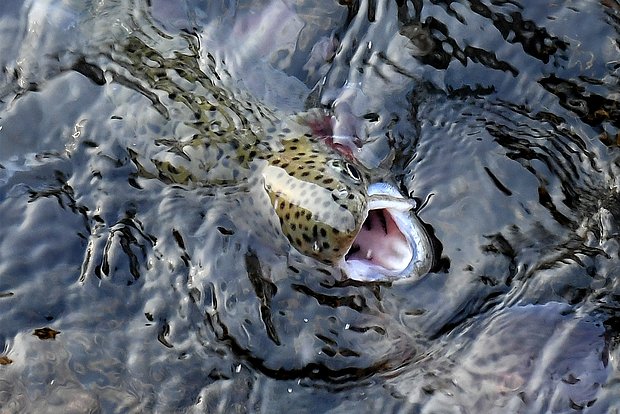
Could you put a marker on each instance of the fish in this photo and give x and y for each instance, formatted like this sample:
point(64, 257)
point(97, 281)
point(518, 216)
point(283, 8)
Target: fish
point(329, 209)
point(326, 203)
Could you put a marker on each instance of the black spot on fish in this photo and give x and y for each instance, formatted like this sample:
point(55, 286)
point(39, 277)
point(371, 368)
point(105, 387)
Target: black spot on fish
point(298, 241)
point(323, 232)
point(282, 205)
point(325, 245)
point(328, 181)
point(306, 238)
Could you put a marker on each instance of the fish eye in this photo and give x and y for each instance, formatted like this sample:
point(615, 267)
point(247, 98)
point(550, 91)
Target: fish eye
point(345, 167)
point(353, 171)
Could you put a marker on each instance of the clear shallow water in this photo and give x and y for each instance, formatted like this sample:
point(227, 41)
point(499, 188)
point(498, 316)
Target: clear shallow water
point(501, 118)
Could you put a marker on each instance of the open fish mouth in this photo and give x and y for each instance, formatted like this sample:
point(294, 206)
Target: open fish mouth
point(392, 243)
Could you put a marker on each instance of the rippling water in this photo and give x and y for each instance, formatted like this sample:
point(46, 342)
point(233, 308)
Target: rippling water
point(122, 290)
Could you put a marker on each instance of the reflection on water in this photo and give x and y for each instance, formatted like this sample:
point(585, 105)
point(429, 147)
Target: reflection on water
point(135, 276)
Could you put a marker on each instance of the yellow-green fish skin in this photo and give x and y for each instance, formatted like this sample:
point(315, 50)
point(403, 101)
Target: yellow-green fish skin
point(319, 197)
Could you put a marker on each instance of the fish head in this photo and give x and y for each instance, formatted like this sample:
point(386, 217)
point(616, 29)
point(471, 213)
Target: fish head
point(330, 210)
point(392, 244)
point(319, 196)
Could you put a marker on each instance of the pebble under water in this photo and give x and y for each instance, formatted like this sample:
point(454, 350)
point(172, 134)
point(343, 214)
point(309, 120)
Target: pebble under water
point(125, 286)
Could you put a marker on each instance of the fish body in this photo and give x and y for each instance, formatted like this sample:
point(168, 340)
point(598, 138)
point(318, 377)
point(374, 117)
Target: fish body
point(326, 202)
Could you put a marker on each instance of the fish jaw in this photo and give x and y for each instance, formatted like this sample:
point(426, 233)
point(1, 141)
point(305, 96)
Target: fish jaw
point(392, 243)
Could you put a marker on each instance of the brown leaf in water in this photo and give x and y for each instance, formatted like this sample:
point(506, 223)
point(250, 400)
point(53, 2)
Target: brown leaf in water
point(45, 333)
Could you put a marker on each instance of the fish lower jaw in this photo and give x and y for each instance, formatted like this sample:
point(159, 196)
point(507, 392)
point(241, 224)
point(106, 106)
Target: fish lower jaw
point(392, 244)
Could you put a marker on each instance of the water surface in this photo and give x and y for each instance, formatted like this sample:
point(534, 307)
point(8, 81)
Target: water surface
point(122, 290)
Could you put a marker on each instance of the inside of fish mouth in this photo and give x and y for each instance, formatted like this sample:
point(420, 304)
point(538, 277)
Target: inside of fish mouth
point(380, 242)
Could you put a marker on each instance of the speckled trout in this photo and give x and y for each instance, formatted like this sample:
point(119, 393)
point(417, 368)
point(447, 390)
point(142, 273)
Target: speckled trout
point(326, 202)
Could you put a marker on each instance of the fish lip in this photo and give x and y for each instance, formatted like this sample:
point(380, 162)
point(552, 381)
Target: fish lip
point(383, 196)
